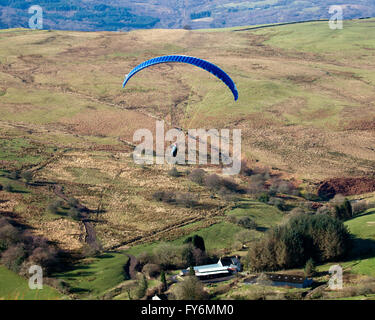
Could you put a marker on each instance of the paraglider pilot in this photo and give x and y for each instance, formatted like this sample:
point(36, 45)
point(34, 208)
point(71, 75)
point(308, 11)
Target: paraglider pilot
point(174, 150)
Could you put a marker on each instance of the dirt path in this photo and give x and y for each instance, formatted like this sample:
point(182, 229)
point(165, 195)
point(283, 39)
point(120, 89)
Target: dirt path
point(90, 237)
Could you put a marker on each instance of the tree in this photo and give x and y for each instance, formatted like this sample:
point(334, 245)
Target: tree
point(142, 287)
point(189, 289)
point(13, 257)
point(290, 245)
point(344, 210)
point(151, 270)
point(310, 269)
point(247, 223)
point(197, 176)
point(191, 271)
point(188, 255)
point(197, 241)
point(264, 197)
point(163, 280)
point(9, 235)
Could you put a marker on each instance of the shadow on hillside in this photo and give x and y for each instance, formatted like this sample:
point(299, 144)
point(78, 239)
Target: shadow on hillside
point(105, 256)
point(362, 248)
point(362, 215)
point(78, 290)
point(261, 229)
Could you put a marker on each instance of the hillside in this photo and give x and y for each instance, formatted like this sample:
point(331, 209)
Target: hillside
point(304, 107)
point(306, 110)
point(97, 15)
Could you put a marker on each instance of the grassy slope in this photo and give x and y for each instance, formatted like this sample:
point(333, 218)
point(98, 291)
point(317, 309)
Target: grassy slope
point(304, 81)
point(363, 230)
point(363, 227)
point(222, 234)
point(93, 277)
point(14, 287)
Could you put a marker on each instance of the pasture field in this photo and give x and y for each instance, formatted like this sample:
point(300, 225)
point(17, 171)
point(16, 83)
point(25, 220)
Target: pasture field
point(306, 91)
point(94, 276)
point(362, 260)
point(14, 287)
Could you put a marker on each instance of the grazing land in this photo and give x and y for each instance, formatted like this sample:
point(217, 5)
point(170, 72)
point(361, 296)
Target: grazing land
point(306, 110)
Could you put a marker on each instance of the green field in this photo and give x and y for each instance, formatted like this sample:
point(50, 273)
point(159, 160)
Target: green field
point(363, 228)
point(92, 277)
point(14, 287)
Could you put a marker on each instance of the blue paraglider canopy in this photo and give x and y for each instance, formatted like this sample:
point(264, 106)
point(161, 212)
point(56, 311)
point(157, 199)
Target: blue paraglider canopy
point(205, 65)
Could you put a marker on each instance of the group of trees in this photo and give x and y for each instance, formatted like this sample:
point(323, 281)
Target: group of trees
point(71, 205)
point(173, 256)
point(214, 182)
point(27, 177)
point(320, 237)
point(19, 249)
point(187, 200)
point(339, 207)
point(167, 256)
point(243, 221)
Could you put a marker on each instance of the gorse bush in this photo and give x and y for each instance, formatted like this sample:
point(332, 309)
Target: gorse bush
point(189, 289)
point(198, 176)
point(320, 237)
point(343, 211)
point(72, 202)
point(310, 270)
point(246, 223)
point(74, 213)
point(54, 206)
point(221, 185)
point(188, 200)
point(174, 172)
point(27, 176)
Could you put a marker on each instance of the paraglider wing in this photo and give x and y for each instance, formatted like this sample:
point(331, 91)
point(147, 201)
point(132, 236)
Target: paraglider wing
point(205, 65)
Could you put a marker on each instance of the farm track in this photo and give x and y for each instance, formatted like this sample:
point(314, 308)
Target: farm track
point(157, 234)
point(90, 238)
